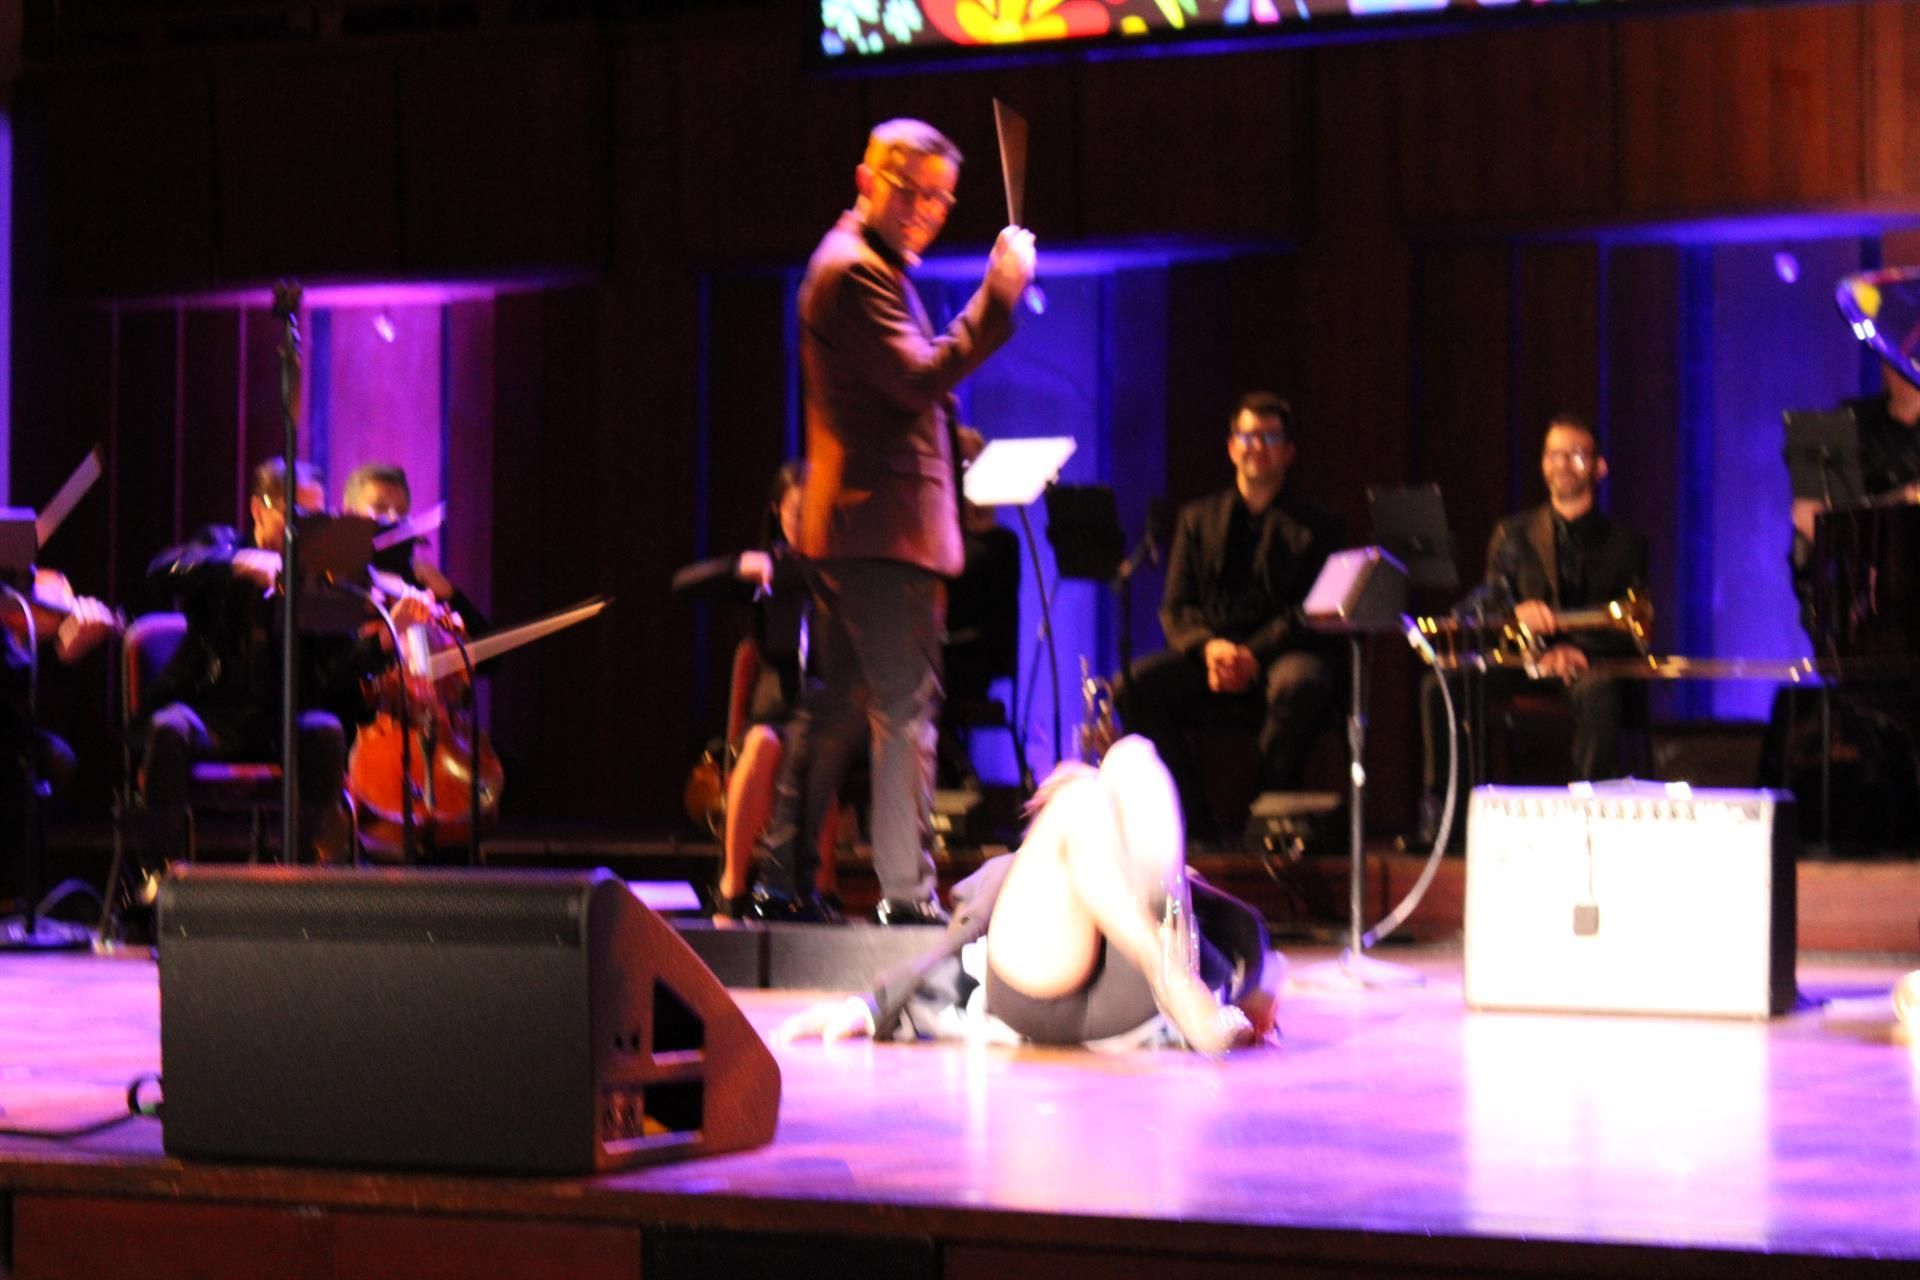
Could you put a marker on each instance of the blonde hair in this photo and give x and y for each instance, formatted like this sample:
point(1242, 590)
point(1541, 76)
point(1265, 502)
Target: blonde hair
point(896, 142)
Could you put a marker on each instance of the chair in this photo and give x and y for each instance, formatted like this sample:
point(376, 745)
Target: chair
point(252, 788)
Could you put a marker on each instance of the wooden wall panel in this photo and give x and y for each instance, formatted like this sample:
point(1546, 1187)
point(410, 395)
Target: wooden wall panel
point(1200, 146)
point(503, 159)
point(130, 178)
point(1742, 107)
point(145, 446)
point(1462, 404)
point(1200, 377)
point(768, 152)
point(1357, 145)
point(1506, 125)
point(1892, 96)
point(307, 168)
point(212, 489)
point(466, 551)
point(1646, 447)
point(1556, 352)
point(263, 418)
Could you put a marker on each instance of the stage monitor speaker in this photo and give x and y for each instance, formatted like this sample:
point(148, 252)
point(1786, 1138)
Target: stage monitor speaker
point(508, 1022)
point(1631, 898)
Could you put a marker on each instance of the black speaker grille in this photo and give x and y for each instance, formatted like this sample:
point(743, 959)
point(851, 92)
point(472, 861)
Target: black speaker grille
point(523, 908)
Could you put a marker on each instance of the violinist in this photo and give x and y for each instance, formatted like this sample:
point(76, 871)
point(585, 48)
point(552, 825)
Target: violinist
point(219, 698)
point(380, 491)
point(45, 613)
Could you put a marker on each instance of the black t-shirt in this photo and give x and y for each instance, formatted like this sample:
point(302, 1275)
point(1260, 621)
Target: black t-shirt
point(1889, 448)
point(1574, 545)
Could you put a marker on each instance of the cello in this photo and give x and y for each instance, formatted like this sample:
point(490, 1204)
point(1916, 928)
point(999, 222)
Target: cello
point(424, 751)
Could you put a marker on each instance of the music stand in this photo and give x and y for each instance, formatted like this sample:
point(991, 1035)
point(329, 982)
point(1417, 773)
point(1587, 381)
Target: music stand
point(1083, 526)
point(1012, 473)
point(1410, 523)
point(1823, 456)
point(1359, 592)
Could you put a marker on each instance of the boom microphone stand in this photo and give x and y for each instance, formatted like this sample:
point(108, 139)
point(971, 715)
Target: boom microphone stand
point(286, 309)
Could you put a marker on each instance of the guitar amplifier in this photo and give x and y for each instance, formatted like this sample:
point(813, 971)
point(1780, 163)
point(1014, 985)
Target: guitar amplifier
point(1636, 898)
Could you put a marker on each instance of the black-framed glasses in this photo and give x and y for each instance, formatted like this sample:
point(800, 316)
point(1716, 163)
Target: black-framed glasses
point(1578, 459)
point(921, 195)
point(1264, 439)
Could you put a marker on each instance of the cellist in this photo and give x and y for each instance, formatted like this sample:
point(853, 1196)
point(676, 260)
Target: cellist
point(379, 491)
point(219, 698)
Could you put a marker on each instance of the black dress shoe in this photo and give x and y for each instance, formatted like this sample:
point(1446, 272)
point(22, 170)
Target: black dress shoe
point(893, 911)
point(778, 908)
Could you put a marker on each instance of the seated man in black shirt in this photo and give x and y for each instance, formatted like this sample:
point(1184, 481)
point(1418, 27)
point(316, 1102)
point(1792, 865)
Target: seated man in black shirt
point(219, 698)
point(1241, 563)
point(1561, 556)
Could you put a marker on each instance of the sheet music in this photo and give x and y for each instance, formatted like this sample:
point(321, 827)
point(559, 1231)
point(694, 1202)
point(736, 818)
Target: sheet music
point(1012, 473)
point(56, 512)
point(427, 522)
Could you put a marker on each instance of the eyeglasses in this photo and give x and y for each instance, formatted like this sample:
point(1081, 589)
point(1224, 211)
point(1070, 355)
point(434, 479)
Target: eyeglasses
point(1578, 459)
point(1264, 439)
point(921, 195)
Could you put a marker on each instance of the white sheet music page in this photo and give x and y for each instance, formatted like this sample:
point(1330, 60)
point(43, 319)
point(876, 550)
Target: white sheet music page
point(1012, 473)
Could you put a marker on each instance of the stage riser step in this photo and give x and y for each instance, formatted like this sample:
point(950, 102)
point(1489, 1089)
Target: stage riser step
point(800, 957)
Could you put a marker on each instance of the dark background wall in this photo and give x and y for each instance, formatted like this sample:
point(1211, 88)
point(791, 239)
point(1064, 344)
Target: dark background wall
point(1428, 243)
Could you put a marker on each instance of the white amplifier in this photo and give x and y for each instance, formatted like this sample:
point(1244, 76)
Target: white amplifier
point(1640, 897)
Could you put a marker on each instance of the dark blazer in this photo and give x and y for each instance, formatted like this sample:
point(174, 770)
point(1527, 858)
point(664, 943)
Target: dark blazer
point(1193, 608)
point(881, 480)
point(1521, 560)
point(228, 666)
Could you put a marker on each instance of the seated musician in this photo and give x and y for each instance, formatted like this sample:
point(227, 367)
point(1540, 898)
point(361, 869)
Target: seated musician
point(46, 614)
point(1242, 561)
point(778, 576)
point(1561, 556)
point(380, 491)
point(1889, 469)
point(983, 634)
point(219, 698)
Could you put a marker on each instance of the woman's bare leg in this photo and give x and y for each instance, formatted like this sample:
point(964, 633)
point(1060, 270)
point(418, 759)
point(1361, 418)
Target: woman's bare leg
point(1042, 940)
point(1101, 861)
point(749, 800)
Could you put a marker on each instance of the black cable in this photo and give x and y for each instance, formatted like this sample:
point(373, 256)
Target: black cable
point(137, 1109)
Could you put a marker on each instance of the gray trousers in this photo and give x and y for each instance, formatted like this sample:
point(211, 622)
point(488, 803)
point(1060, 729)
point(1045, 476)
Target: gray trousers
point(874, 636)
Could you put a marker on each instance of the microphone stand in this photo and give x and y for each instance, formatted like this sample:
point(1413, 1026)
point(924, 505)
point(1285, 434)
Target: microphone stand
point(1046, 627)
point(1146, 550)
point(286, 309)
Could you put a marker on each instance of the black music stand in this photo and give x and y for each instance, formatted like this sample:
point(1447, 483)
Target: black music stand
point(1823, 456)
point(1410, 524)
point(1360, 592)
point(1013, 473)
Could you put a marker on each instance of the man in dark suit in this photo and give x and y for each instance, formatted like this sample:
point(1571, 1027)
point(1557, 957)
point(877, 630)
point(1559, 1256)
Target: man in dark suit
point(1549, 560)
point(1241, 563)
point(880, 516)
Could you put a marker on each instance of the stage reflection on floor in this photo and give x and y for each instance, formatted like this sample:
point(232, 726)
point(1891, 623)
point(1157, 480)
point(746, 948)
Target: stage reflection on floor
point(1389, 1111)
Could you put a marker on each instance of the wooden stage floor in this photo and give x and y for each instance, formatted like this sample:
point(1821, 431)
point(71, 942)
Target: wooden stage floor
point(1395, 1133)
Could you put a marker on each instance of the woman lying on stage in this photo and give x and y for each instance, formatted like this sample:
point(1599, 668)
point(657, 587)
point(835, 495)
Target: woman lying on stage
point(1089, 933)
